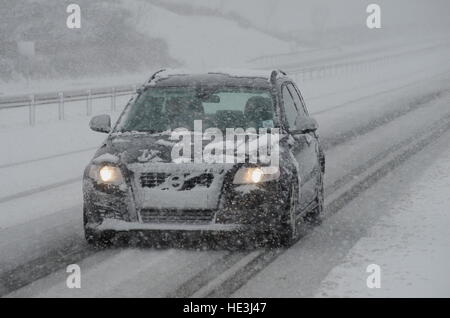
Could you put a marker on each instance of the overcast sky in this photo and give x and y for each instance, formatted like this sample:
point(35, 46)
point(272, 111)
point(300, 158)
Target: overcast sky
point(303, 14)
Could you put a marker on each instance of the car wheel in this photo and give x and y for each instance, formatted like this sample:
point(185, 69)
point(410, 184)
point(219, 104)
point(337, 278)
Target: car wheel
point(315, 216)
point(288, 233)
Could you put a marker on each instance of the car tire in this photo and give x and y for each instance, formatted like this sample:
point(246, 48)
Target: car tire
point(314, 217)
point(288, 233)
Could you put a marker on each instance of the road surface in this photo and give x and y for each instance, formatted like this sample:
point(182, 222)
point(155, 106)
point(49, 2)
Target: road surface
point(372, 122)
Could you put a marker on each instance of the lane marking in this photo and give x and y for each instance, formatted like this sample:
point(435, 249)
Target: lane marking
point(26, 193)
point(19, 163)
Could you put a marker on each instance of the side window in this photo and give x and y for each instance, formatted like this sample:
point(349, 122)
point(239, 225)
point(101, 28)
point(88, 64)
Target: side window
point(289, 107)
point(298, 101)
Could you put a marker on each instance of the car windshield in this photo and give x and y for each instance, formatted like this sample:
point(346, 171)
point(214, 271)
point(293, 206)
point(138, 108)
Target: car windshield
point(160, 109)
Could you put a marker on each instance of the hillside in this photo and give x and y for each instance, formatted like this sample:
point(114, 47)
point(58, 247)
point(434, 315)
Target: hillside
point(200, 39)
point(106, 43)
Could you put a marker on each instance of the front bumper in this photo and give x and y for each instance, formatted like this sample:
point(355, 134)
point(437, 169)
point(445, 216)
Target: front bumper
point(121, 226)
point(241, 209)
point(180, 235)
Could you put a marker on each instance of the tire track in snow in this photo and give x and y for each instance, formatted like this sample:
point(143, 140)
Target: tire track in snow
point(417, 143)
point(263, 258)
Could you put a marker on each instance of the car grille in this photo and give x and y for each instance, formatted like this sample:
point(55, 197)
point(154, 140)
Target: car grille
point(179, 182)
point(177, 216)
point(151, 180)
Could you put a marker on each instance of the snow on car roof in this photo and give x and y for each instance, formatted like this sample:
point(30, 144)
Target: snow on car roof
point(243, 73)
point(194, 74)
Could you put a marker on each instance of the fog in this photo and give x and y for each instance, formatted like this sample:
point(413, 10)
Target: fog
point(372, 190)
point(129, 36)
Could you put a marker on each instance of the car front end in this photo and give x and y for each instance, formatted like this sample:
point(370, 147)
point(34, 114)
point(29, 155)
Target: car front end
point(160, 197)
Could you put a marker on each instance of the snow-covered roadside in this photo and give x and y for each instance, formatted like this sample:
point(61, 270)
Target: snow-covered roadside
point(410, 243)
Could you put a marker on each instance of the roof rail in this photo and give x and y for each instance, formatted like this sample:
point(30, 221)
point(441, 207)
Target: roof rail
point(154, 75)
point(275, 74)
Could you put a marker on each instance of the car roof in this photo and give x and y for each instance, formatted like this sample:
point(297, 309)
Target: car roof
point(244, 78)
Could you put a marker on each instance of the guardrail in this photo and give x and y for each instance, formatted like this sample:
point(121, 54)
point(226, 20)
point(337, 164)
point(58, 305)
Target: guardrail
point(320, 71)
point(297, 73)
point(60, 98)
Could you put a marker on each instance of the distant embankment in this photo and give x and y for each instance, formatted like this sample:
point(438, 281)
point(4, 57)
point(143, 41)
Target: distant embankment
point(197, 10)
point(106, 43)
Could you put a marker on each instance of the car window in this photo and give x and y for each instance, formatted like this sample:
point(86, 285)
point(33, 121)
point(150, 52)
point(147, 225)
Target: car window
point(289, 107)
point(168, 108)
point(298, 101)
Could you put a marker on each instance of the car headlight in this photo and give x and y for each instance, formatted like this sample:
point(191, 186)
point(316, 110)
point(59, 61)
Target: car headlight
point(106, 174)
point(256, 175)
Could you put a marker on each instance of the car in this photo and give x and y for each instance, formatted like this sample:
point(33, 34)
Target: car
point(144, 180)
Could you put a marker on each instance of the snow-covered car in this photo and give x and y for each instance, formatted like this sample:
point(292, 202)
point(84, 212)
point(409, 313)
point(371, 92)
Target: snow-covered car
point(218, 154)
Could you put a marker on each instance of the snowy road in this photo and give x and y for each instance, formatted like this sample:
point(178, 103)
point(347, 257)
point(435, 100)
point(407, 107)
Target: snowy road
point(370, 125)
point(406, 232)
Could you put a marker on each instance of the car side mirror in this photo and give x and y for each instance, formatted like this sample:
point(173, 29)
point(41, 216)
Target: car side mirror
point(304, 125)
point(101, 123)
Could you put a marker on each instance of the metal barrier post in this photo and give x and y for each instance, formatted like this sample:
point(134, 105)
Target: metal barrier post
point(32, 111)
point(89, 103)
point(113, 99)
point(61, 106)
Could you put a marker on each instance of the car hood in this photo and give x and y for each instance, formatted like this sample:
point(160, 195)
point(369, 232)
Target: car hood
point(138, 148)
point(148, 148)
point(135, 148)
